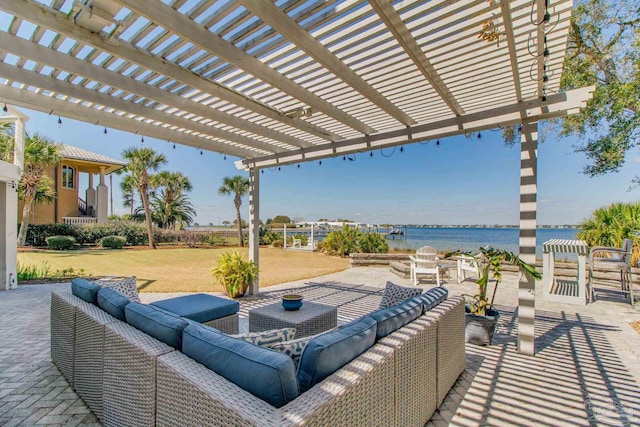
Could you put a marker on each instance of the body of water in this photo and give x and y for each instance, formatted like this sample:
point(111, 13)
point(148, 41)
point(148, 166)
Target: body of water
point(470, 239)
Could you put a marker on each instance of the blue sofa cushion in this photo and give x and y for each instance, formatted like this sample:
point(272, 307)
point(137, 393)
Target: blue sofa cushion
point(393, 318)
point(267, 374)
point(329, 352)
point(113, 302)
point(199, 307)
point(85, 290)
point(431, 298)
point(160, 325)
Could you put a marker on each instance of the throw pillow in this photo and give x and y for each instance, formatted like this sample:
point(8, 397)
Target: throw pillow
point(267, 338)
point(126, 286)
point(394, 294)
point(292, 348)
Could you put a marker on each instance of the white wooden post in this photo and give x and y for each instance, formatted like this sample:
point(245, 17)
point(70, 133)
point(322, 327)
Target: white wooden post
point(312, 242)
point(254, 224)
point(102, 210)
point(285, 236)
point(528, 222)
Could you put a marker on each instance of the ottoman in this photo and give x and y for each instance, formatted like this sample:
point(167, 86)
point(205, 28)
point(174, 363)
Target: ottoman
point(219, 313)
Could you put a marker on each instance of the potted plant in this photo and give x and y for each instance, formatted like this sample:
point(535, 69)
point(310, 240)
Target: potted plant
point(482, 318)
point(234, 273)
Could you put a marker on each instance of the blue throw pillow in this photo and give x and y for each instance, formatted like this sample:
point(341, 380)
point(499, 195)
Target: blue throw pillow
point(431, 298)
point(159, 324)
point(393, 318)
point(329, 352)
point(266, 374)
point(85, 290)
point(113, 302)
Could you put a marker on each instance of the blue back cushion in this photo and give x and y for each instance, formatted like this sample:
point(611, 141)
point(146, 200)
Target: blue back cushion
point(431, 298)
point(113, 302)
point(393, 318)
point(267, 374)
point(85, 290)
point(159, 324)
point(327, 353)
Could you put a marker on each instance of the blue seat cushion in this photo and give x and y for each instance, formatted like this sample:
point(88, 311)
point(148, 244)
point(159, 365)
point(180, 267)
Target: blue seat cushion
point(265, 373)
point(162, 326)
point(199, 307)
point(393, 318)
point(113, 302)
point(85, 290)
point(431, 298)
point(327, 353)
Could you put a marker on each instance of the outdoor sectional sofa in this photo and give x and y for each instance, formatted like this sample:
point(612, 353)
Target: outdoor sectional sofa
point(128, 377)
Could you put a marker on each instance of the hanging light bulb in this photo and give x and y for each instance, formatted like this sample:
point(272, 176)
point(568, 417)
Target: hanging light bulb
point(201, 151)
point(370, 153)
point(298, 166)
point(142, 139)
point(401, 149)
point(278, 167)
point(105, 131)
point(5, 108)
point(174, 145)
point(479, 135)
point(262, 171)
point(437, 143)
point(344, 157)
point(59, 122)
point(320, 162)
point(224, 157)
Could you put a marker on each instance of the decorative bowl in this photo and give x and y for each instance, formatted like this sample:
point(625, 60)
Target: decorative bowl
point(292, 302)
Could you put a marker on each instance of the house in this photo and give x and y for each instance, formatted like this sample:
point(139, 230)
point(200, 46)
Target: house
point(73, 204)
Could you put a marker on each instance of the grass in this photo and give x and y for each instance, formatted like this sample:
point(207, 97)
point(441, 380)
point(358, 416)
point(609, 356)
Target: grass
point(183, 269)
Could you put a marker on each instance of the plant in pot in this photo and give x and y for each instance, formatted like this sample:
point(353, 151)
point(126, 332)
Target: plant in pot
point(234, 273)
point(481, 317)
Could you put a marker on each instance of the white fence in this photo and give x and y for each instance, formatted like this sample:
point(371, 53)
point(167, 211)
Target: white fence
point(79, 220)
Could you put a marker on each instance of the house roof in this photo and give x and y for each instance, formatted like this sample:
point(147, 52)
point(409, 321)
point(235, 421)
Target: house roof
point(75, 153)
point(289, 81)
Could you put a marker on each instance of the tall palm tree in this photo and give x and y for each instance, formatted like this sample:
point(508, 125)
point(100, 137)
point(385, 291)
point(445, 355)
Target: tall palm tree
point(34, 187)
point(179, 212)
point(141, 161)
point(128, 188)
point(172, 185)
point(238, 186)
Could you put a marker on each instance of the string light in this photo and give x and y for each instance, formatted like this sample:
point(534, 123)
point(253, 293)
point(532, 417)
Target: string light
point(344, 157)
point(142, 139)
point(5, 108)
point(278, 168)
point(320, 162)
point(298, 166)
point(105, 131)
point(370, 153)
point(262, 171)
point(201, 152)
point(174, 145)
point(59, 122)
point(437, 143)
point(224, 157)
point(401, 149)
point(479, 135)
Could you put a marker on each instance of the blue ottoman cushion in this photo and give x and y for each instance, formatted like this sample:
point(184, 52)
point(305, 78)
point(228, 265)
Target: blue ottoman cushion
point(199, 307)
point(160, 325)
point(113, 302)
point(329, 352)
point(431, 298)
point(393, 318)
point(85, 290)
point(266, 374)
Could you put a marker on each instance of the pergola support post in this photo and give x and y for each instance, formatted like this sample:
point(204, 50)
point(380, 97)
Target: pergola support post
point(254, 224)
point(528, 223)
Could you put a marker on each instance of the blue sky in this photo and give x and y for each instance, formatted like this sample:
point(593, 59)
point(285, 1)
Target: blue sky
point(463, 181)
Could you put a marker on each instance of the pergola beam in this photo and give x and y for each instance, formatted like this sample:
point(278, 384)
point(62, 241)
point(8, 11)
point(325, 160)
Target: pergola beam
point(557, 105)
point(62, 87)
point(216, 45)
point(272, 15)
point(45, 104)
point(397, 27)
point(62, 24)
point(55, 59)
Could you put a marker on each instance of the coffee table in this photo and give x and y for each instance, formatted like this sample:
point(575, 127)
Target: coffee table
point(312, 318)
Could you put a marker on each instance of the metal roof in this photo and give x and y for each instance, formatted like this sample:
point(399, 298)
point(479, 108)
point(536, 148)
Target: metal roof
point(276, 82)
point(75, 153)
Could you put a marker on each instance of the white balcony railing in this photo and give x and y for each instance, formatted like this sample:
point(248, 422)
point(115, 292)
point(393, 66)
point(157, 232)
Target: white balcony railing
point(79, 220)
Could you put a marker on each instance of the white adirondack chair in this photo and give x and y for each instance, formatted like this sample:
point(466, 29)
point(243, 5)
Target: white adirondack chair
point(466, 263)
point(425, 261)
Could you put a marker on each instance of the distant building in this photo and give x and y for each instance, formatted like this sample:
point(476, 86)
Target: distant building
point(74, 205)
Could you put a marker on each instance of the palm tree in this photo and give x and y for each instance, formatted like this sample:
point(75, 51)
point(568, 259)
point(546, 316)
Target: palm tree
point(172, 185)
point(179, 211)
point(139, 162)
point(610, 225)
point(128, 188)
point(238, 186)
point(34, 187)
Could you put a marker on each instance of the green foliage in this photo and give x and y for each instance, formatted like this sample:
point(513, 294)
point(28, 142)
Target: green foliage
point(234, 273)
point(60, 243)
point(43, 271)
point(267, 237)
point(490, 262)
point(351, 240)
point(237, 186)
point(113, 242)
point(37, 234)
point(134, 233)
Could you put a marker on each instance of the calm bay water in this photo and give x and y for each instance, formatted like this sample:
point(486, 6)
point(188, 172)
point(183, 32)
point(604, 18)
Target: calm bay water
point(470, 239)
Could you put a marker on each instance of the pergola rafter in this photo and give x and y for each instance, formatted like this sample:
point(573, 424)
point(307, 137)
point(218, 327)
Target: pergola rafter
point(288, 81)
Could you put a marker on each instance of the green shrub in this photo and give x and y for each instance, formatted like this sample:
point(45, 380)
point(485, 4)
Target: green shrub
point(349, 240)
point(113, 242)
point(277, 243)
point(373, 243)
point(31, 272)
point(133, 232)
point(60, 243)
point(37, 234)
point(215, 240)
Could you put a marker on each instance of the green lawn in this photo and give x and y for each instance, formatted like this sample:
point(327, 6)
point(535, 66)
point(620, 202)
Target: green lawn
point(183, 269)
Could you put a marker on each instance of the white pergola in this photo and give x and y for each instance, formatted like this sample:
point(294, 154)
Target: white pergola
point(288, 81)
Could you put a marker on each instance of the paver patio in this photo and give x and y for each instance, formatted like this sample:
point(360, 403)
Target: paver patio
point(586, 370)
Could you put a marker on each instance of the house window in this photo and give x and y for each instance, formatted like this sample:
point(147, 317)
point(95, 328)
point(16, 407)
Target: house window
point(68, 177)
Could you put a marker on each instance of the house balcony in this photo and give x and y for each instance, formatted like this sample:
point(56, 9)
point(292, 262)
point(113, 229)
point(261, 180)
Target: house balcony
point(79, 220)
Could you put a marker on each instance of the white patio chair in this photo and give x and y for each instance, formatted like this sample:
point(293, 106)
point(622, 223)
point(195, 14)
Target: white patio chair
point(425, 261)
point(613, 259)
point(467, 263)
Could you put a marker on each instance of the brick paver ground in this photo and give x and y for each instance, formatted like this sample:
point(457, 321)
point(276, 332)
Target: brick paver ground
point(586, 370)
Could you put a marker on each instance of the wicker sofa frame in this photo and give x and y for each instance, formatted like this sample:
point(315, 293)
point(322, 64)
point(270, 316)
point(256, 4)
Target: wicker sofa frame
point(399, 381)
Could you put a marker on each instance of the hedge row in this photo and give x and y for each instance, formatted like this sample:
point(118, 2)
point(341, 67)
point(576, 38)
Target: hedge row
point(135, 234)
